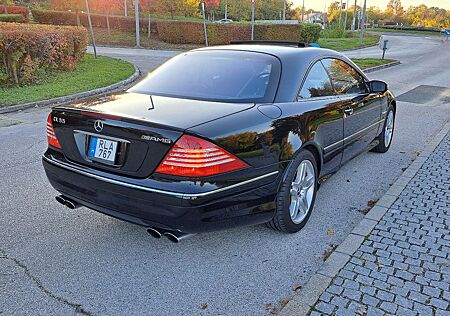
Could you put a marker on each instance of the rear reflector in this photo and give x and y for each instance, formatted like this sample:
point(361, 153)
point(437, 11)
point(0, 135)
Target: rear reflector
point(51, 136)
point(195, 157)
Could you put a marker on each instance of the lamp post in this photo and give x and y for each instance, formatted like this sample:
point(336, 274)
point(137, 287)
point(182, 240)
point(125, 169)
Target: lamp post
point(90, 28)
point(363, 22)
point(136, 14)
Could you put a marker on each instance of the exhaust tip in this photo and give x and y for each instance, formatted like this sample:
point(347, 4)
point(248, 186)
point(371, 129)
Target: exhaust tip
point(172, 238)
point(154, 232)
point(70, 205)
point(60, 199)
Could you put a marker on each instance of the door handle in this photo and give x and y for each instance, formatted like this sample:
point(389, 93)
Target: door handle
point(348, 111)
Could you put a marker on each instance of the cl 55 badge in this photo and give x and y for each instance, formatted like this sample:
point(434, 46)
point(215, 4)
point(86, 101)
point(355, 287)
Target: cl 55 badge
point(157, 139)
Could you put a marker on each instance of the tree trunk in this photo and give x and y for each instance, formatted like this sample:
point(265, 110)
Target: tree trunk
point(107, 24)
point(149, 27)
point(78, 18)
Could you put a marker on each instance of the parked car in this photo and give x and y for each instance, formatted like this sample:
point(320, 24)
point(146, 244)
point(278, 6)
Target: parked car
point(219, 137)
point(225, 21)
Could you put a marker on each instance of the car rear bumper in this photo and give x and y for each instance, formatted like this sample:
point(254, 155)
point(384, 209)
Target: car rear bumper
point(244, 203)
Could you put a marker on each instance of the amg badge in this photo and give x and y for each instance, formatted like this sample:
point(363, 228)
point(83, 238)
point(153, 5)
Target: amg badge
point(157, 139)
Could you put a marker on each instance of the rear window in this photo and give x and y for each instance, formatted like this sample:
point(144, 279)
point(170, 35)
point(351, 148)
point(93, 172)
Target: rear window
point(222, 76)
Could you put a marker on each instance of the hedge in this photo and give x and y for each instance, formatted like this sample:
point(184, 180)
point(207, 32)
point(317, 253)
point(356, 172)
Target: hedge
point(12, 9)
point(28, 51)
point(121, 23)
point(17, 18)
point(181, 32)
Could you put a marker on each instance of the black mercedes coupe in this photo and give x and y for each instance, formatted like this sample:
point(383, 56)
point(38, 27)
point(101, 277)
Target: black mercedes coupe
point(219, 137)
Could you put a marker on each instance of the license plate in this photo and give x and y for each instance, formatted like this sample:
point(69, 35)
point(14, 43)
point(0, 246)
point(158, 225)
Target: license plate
point(103, 149)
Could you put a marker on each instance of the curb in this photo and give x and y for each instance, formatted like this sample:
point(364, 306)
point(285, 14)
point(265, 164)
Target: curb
point(73, 97)
point(309, 294)
point(372, 69)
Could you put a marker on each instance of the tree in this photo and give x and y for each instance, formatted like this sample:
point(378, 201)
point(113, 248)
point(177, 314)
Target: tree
point(423, 16)
point(106, 7)
point(375, 15)
point(211, 6)
point(394, 11)
point(333, 11)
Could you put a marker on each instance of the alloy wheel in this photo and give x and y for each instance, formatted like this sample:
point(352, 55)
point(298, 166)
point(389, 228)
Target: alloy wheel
point(302, 191)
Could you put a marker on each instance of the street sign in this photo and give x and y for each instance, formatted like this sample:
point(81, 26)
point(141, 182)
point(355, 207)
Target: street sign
point(447, 32)
point(384, 44)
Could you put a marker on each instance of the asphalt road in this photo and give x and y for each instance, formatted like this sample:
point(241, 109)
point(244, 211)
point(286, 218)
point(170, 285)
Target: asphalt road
point(57, 261)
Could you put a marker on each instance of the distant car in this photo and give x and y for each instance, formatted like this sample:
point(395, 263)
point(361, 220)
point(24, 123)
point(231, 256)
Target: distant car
point(225, 21)
point(219, 137)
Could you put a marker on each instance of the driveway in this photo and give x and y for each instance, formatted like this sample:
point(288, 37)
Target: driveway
point(57, 261)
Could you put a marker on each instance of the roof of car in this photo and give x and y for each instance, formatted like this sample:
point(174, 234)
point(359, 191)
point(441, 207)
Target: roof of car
point(295, 63)
point(281, 51)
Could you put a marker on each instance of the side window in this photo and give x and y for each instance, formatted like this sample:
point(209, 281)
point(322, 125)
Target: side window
point(317, 83)
point(346, 80)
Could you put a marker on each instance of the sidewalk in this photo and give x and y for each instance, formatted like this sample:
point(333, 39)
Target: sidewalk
point(401, 267)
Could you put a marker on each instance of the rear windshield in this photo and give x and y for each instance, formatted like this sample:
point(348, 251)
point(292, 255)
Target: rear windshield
point(216, 75)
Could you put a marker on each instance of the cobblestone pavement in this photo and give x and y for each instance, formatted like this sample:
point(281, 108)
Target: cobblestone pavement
point(403, 266)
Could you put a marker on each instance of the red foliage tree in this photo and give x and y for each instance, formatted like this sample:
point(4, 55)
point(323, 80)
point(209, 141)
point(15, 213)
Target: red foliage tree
point(106, 7)
point(211, 6)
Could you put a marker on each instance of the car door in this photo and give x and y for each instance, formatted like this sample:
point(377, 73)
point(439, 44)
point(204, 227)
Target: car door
point(361, 109)
point(324, 117)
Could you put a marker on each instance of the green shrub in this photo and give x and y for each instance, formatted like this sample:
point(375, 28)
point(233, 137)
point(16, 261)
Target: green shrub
point(310, 32)
point(29, 50)
point(17, 18)
point(333, 31)
point(12, 9)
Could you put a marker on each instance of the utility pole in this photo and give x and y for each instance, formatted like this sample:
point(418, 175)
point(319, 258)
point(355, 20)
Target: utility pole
point(253, 20)
point(226, 10)
point(346, 15)
point(90, 28)
point(284, 10)
point(354, 17)
point(125, 5)
point(303, 11)
point(363, 22)
point(138, 34)
point(340, 14)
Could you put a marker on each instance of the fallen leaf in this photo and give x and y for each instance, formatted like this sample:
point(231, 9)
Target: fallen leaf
point(267, 306)
point(204, 306)
point(330, 232)
point(365, 210)
point(361, 311)
point(371, 203)
point(296, 287)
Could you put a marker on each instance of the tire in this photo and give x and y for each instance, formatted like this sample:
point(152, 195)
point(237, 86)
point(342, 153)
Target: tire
point(283, 221)
point(383, 143)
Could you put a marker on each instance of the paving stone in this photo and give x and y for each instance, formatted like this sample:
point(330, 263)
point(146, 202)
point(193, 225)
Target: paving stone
point(402, 266)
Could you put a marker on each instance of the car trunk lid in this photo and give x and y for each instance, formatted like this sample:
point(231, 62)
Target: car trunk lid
point(132, 132)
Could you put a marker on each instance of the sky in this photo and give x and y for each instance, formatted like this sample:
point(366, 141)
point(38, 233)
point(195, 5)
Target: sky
point(319, 5)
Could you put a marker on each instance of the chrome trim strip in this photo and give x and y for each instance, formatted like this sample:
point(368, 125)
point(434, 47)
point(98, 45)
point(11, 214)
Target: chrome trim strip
point(139, 187)
point(102, 136)
point(348, 137)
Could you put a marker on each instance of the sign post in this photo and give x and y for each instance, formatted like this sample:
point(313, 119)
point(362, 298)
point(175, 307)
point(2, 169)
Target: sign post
point(447, 34)
point(204, 23)
point(384, 45)
point(253, 19)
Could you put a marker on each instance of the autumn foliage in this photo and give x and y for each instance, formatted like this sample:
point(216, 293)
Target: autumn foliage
point(11, 9)
point(28, 51)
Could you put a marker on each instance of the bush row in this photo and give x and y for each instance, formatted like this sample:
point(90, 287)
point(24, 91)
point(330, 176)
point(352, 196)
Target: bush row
point(121, 23)
point(181, 32)
point(28, 51)
point(17, 18)
point(187, 32)
point(12, 9)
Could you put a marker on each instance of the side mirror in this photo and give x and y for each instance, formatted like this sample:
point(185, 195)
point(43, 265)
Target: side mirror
point(377, 86)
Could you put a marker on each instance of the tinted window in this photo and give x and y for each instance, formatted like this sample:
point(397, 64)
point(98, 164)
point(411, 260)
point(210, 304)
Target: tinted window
point(227, 76)
point(346, 80)
point(317, 83)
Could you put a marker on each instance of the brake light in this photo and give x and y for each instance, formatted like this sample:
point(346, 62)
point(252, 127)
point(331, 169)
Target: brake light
point(195, 157)
point(51, 136)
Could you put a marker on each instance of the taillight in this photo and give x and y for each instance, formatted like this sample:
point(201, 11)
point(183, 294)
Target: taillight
point(195, 157)
point(51, 136)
